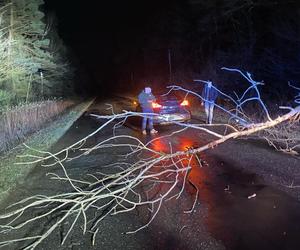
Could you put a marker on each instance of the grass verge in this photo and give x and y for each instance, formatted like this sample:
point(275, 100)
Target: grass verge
point(12, 173)
point(19, 122)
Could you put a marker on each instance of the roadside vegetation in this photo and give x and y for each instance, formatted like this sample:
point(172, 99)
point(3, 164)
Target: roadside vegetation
point(34, 73)
point(19, 122)
point(12, 172)
point(35, 84)
point(33, 66)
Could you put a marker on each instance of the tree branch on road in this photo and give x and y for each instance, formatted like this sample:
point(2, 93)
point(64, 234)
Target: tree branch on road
point(133, 180)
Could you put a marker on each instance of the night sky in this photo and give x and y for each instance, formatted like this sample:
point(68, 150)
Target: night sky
point(104, 37)
point(125, 44)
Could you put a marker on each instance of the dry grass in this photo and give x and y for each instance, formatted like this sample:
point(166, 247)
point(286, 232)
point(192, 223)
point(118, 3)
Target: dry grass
point(21, 121)
point(284, 137)
point(13, 173)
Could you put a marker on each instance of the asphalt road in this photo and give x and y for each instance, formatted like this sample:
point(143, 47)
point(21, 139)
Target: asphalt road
point(224, 216)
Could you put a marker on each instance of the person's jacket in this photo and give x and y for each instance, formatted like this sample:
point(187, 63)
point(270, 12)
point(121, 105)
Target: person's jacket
point(209, 94)
point(146, 100)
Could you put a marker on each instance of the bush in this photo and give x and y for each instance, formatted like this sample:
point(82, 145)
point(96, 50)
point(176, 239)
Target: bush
point(19, 122)
point(5, 99)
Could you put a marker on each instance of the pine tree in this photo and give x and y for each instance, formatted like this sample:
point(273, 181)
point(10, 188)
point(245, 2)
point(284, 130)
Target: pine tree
point(30, 67)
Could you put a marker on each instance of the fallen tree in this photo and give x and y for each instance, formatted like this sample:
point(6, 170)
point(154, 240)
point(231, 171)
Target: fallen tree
point(117, 188)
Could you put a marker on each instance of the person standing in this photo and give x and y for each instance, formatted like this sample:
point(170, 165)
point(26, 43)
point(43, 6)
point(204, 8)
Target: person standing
point(145, 99)
point(209, 95)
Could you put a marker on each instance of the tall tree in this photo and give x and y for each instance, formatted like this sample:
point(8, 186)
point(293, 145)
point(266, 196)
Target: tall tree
point(33, 68)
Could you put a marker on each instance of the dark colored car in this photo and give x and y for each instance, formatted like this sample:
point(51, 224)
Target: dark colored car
point(170, 108)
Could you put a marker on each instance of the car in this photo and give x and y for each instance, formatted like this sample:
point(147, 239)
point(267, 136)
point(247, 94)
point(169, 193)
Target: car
point(170, 108)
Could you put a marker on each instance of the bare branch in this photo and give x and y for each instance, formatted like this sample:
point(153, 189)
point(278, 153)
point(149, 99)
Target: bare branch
point(133, 179)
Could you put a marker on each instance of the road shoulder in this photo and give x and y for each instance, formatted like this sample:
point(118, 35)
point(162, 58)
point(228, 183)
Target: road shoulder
point(12, 173)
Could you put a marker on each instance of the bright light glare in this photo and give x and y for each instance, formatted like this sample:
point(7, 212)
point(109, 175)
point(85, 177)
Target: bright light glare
point(156, 105)
point(185, 103)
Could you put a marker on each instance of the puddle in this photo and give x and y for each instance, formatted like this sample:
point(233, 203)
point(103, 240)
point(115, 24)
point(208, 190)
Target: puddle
point(246, 214)
point(243, 212)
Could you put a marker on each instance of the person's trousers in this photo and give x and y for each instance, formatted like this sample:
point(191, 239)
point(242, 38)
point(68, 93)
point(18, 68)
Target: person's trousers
point(209, 111)
point(147, 119)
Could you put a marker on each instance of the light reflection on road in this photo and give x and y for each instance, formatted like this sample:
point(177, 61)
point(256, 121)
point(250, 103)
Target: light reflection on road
point(199, 176)
point(262, 223)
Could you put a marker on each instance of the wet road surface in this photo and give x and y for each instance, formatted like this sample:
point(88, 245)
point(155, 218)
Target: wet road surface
point(224, 216)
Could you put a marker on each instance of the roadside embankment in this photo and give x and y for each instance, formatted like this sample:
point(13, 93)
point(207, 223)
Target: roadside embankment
point(17, 123)
point(13, 173)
